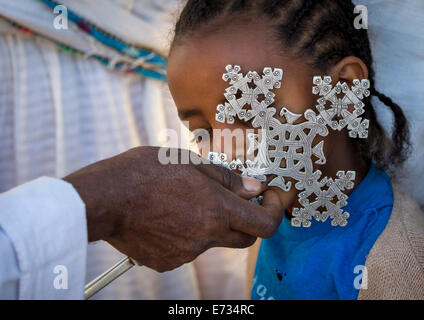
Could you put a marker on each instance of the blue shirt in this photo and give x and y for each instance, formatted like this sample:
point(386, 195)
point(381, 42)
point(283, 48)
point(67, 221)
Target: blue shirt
point(325, 262)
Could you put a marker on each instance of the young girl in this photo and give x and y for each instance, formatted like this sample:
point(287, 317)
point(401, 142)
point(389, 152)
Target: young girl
point(379, 253)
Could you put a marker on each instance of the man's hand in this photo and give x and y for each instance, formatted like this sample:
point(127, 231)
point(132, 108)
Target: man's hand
point(166, 215)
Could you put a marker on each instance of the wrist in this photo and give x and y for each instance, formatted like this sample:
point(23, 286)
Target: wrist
point(100, 222)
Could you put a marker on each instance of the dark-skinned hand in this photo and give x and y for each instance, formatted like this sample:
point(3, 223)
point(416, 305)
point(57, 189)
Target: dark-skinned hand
point(163, 216)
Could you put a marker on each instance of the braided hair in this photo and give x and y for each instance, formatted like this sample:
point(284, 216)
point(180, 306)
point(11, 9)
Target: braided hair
point(322, 33)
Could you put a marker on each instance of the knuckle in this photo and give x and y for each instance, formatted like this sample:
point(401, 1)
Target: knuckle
point(189, 253)
point(203, 185)
point(159, 267)
point(227, 179)
point(210, 189)
point(220, 218)
point(272, 222)
point(211, 243)
point(269, 229)
point(248, 241)
point(166, 265)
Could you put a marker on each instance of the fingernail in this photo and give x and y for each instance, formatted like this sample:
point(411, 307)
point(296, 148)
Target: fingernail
point(252, 184)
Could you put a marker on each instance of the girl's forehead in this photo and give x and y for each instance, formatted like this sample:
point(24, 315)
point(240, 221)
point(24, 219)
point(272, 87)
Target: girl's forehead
point(197, 64)
point(200, 63)
point(248, 47)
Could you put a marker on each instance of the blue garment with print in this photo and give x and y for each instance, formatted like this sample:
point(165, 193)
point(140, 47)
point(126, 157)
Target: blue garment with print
point(325, 262)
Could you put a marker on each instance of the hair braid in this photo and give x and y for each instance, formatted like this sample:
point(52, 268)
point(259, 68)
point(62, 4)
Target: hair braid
point(291, 28)
point(401, 133)
point(240, 5)
point(272, 8)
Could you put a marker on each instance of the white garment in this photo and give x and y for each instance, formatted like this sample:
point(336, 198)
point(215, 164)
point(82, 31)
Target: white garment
point(46, 241)
point(148, 24)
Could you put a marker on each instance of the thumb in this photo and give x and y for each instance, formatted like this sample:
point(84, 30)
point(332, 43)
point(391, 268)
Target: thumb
point(245, 187)
point(252, 186)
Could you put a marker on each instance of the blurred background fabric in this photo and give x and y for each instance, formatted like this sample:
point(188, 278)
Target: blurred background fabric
point(396, 30)
point(60, 111)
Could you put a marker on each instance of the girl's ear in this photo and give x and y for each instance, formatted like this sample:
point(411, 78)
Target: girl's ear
point(348, 69)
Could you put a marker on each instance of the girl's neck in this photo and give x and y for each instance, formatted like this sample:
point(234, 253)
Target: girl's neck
point(340, 156)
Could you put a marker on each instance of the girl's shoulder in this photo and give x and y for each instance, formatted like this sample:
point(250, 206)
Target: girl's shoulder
point(395, 264)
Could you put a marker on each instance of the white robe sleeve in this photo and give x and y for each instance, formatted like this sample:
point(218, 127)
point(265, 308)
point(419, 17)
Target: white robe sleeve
point(43, 241)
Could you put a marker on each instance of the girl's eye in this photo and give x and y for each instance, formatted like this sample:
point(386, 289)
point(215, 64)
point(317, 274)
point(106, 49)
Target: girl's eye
point(199, 133)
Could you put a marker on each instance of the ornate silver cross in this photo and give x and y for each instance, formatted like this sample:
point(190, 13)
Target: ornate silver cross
point(285, 149)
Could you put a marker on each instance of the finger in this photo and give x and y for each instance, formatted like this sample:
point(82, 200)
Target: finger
point(247, 217)
point(235, 239)
point(286, 199)
point(273, 203)
point(275, 209)
point(244, 187)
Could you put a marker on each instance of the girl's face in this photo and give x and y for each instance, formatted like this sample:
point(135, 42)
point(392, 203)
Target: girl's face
point(195, 80)
point(195, 75)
